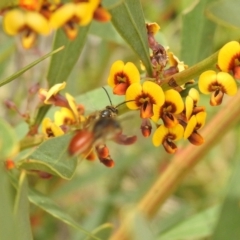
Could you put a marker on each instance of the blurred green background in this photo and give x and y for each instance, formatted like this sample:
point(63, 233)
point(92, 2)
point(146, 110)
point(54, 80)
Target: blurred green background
point(96, 194)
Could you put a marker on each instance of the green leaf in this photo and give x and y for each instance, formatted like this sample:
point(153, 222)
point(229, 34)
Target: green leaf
point(50, 207)
point(20, 72)
point(106, 31)
point(227, 226)
point(6, 207)
point(128, 19)
point(52, 157)
point(198, 226)
point(8, 3)
point(197, 34)
point(8, 140)
point(225, 13)
point(21, 210)
point(62, 64)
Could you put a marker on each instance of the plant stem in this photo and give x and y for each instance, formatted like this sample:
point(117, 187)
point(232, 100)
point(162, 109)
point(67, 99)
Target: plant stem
point(182, 163)
point(192, 72)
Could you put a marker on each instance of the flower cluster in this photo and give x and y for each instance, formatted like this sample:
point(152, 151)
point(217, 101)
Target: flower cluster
point(31, 18)
point(91, 131)
point(223, 81)
point(174, 118)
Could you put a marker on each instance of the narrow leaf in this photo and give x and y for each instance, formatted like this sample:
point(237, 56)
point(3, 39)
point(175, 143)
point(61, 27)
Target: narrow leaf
point(20, 72)
point(195, 227)
point(50, 207)
point(225, 13)
point(8, 141)
point(132, 28)
point(6, 207)
point(52, 157)
point(197, 34)
point(106, 31)
point(21, 210)
point(62, 64)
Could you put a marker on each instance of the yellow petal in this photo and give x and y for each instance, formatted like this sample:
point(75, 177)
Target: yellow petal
point(13, 21)
point(57, 131)
point(28, 38)
point(62, 15)
point(156, 113)
point(227, 54)
point(190, 126)
point(84, 12)
point(132, 72)
point(159, 135)
point(228, 83)
point(37, 22)
point(201, 118)
point(194, 94)
point(188, 107)
point(132, 93)
point(54, 90)
point(155, 91)
point(72, 104)
point(177, 131)
point(46, 124)
point(64, 117)
point(205, 81)
point(117, 67)
point(172, 96)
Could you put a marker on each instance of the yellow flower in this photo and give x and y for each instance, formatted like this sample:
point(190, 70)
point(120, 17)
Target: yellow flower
point(71, 15)
point(64, 117)
point(144, 97)
point(28, 23)
point(122, 76)
point(48, 96)
point(172, 106)
point(191, 102)
point(195, 123)
point(50, 129)
point(218, 84)
point(166, 136)
point(228, 58)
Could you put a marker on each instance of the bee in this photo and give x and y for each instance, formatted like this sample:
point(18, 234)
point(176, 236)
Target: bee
point(102, 127)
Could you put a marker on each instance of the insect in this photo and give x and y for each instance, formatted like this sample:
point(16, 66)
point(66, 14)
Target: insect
point(102, 127)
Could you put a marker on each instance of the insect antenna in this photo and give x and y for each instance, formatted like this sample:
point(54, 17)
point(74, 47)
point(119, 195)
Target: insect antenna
point(124, 102)
point(108, 95)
